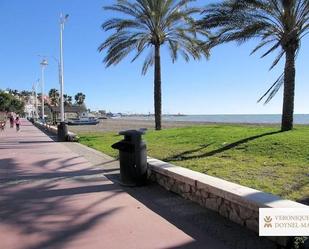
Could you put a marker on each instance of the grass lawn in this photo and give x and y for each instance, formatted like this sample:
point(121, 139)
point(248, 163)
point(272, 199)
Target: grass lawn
point(260, 157)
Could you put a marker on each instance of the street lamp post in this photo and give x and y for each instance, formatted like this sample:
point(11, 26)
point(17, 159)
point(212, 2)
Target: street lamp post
point(35, 85)
point(43, 64)
point(63, 19)
point(33, 101)
point(62, 127)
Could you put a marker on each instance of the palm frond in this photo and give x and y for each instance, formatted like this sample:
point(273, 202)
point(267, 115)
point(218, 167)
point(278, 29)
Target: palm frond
point(277, 59)
point(148, 62)
point(279, 24)
point(149, 23)
point(272, 91)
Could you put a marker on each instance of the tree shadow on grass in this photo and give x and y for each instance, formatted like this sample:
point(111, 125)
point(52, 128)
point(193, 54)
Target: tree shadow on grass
point(184, 155)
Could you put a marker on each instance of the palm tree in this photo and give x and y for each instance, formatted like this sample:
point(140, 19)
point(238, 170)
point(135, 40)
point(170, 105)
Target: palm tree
point(25, 95)
point(67, 100)
point(150, 24)
point(54, 97)
point(279, 24)
point(80, 98)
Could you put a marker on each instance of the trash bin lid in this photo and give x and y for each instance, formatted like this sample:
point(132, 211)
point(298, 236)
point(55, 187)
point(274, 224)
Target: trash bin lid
point(133, 132)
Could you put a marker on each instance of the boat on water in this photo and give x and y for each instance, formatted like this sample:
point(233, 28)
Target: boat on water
point(114, 115)
point(83, 121)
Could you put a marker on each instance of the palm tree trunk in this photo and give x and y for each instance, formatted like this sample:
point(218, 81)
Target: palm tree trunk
point(289, 90)
point(157, 88)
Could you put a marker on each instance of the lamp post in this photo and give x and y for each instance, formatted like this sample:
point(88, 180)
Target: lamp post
point(34, 87)
point(33, 101)
point(43, 64)
point(63, 19)
point(62, 127)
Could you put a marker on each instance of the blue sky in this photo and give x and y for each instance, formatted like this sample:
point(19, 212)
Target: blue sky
point(229, 83)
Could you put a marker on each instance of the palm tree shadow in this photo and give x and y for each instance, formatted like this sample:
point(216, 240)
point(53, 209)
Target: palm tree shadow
point(60, 238)
point(184, 155)
point(180, 156)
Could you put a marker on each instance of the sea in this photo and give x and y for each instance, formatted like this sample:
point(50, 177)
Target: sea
point(229, 118)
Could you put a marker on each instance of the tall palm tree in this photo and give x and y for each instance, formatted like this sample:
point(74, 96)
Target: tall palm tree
point(80, 98)
point(150, 24)
point(279, 24)
point(67, 100)
point(54, 97)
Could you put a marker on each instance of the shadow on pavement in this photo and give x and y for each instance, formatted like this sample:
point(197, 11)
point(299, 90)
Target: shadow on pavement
point(31, 177)
point(193, 219)
point(43, 207)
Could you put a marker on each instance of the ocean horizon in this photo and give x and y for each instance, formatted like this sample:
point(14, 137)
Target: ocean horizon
point(227, 118)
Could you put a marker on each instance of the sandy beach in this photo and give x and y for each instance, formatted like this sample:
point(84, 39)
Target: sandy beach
point(126, 124)
point(119, 124)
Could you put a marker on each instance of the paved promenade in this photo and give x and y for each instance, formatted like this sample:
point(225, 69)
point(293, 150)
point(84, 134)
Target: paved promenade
point(56, 195)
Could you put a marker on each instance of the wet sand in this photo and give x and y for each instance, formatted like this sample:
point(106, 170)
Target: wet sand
point(126, 124)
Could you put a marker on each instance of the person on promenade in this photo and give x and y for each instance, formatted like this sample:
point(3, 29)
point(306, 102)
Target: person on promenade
point(2, 125)
point(17, 123)
point(11, 121)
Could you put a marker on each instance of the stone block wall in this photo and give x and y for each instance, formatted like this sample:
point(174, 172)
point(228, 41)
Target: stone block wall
point(233, 211)
point(72, 137)
point(237, 203)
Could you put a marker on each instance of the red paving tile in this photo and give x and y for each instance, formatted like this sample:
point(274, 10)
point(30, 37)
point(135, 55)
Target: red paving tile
point(53, 198)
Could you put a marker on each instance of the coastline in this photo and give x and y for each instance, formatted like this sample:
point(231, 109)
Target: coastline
point(119, 124)
point(226, 118)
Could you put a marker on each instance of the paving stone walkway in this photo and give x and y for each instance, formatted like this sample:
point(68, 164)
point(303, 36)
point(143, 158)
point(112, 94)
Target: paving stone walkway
point(66, 196)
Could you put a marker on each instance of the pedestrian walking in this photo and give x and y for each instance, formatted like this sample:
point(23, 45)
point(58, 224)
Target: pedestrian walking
point(11, 121)
point(17, 123)
point(2, 125)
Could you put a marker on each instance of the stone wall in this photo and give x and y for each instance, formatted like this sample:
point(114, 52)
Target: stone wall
point(72, 137)
point(237, 203)
point(233, 211)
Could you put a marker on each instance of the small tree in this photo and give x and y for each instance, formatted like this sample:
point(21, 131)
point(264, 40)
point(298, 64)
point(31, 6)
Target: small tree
point(10, 103)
